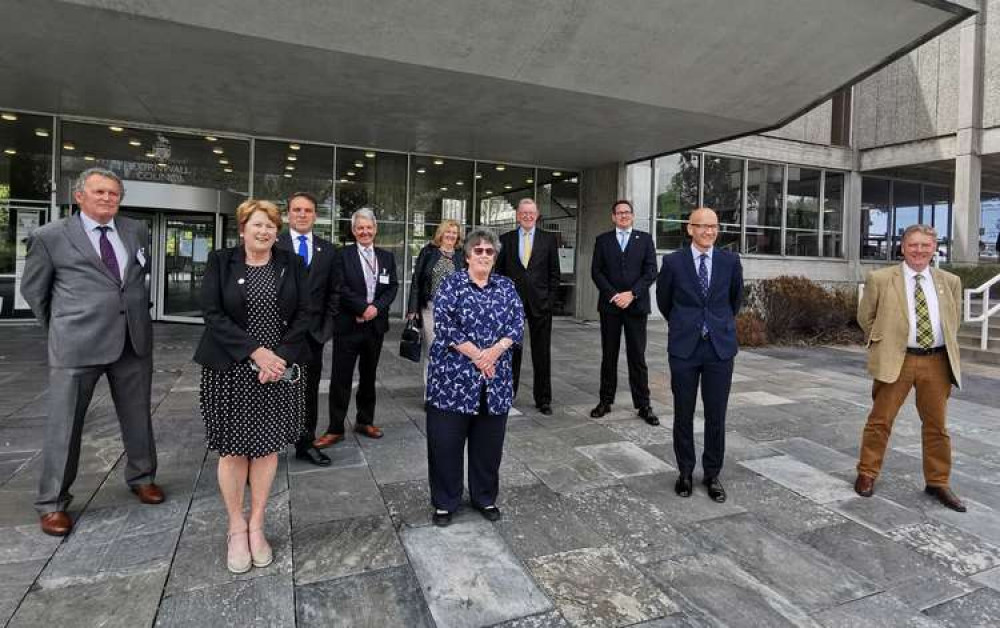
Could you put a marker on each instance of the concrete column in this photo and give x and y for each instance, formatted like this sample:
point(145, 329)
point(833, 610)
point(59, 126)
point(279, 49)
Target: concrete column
point(852, 223)
point(966, 213)
point(599, 188)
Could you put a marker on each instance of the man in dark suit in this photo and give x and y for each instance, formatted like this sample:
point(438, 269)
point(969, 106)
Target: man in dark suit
point(624, 267)
point(85, 280)
point(364, 280)
point(530, 257)
point(318, 255)
point(699, 292)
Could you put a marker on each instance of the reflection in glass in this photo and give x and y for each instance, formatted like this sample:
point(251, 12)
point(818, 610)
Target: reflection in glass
point(638, 186)
point(724, 188)
point(281, 170)
point(802, 221)
point(187, 243)
point(906, 203)
point(558, 203)
point(676, 181)
point(764, 202)
point(989, 241)
point(25, 157)
point(875, 212)
point(833, 212)
point(499, 187)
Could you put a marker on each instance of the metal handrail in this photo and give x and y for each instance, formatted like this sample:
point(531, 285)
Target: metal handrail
point(985, 313)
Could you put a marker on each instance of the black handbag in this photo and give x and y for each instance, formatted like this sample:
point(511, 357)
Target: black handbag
point(410, 341)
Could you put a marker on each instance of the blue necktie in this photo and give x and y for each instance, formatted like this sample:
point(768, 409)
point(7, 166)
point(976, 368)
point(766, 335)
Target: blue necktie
point(304, 249)
point(622, 239)
point(703, 280)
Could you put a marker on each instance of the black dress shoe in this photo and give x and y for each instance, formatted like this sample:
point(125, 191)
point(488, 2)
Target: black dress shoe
point(545, 408)
point(314, 456)
point(441, 517)
point(715, 490)
point(647, 415)
point(946, 496)
point(491, 513)
point(683, 486)
point(600, 410)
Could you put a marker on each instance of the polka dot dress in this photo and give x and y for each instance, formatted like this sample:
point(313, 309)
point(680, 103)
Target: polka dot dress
point(242, 416)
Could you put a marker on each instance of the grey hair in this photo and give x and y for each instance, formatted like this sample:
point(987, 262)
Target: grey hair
point(480, 235)
point(926, 230)
point(81, 180)
point(364, 213)
point(525, 201)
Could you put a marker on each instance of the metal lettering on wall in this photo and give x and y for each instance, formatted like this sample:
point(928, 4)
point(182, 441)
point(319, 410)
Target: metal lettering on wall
point(170, 173)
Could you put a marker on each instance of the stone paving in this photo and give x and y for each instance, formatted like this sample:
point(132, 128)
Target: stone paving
point(592, 533)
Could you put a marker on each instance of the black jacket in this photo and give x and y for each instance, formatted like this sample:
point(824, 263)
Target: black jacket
point(420, 286)
point(320, 270)
point(633, 270)
point(225, 340)
point(538, 284)
point(352, 295)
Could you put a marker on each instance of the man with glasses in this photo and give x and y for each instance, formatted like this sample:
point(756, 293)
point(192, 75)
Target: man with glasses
point(529, 256)
point(318, 255)
point(699, 292)
point(624, 268)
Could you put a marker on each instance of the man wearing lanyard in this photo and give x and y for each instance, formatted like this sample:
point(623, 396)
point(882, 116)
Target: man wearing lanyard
point(318, 255)
point(364, 281)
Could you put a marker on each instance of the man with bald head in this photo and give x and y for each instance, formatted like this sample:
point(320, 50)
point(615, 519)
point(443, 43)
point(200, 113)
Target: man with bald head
point(699, 292)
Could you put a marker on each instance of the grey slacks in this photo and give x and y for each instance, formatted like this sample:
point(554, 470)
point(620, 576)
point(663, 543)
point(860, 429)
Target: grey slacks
point(70, 391)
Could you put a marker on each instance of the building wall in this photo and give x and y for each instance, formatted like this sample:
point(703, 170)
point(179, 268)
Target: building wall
point(813, 127)
point(991, 65)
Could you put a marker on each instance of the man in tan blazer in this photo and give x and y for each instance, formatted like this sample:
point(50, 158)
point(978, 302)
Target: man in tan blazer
point(910, 316)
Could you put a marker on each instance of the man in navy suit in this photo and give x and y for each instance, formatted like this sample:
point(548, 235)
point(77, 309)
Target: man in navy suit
point(699, 291)
point(364, 280)
point(623, 268)
point(318, 255)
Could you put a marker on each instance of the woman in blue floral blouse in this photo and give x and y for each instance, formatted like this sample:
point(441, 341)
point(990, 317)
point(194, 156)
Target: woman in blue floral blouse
point(478, 317)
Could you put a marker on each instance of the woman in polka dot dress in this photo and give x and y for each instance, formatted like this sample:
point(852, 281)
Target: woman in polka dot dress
point(256, 307)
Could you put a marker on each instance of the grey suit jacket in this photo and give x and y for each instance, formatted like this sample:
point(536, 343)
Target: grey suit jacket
point(83, 307)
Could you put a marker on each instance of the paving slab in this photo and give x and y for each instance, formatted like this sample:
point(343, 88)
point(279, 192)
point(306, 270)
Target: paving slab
point(877, 512)
point(345, 547)
point(876, 611)
point(802, 478)
point(815, 454)
point(624, 459)
point(962, 552)
point(263, 601)
point(980, 608)
point(387, 597)
point(599, 587)
point(469, 576)
point(537, 521)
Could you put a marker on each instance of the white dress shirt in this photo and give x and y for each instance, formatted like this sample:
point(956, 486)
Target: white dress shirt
point(90, 226)
point(930, 294)
point(295, 242)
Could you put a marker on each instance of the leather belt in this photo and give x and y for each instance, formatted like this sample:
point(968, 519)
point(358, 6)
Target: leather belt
point(931, 351)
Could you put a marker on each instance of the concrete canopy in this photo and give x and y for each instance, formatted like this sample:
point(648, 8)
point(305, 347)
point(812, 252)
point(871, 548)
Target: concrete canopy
point(562, 82)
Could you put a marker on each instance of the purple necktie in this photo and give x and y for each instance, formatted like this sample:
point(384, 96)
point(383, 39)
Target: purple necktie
point(703, 280)
point(108, 253)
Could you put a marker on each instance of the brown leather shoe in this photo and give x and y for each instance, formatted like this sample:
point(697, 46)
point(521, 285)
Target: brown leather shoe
point(369, 430)
point(56, 523)
point(149, 493)
point(946, 496)
point(864, 486)
point(327, 440)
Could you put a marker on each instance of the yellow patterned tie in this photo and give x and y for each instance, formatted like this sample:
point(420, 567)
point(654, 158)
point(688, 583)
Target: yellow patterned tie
point(526, 257)
point(925, 335)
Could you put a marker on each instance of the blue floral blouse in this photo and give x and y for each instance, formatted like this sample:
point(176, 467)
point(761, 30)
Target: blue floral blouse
point(465, 312)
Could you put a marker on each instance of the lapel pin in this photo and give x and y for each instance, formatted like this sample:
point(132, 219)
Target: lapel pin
point(241, 281)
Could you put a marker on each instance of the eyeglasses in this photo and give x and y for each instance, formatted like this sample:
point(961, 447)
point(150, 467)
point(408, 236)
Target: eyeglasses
point(483, 250)
point(704, 227)
point(624, 213)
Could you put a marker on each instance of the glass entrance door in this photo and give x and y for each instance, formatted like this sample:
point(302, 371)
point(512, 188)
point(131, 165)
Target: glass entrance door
point(187, 240)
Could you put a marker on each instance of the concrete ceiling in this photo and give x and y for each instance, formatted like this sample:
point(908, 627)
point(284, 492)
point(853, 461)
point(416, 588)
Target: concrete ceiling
point(569, 83)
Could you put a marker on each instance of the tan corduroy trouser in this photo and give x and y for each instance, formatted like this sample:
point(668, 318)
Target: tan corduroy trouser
point(931, 376)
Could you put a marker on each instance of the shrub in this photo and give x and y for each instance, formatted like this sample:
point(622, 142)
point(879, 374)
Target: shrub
point(751, 331)
point(796, 309)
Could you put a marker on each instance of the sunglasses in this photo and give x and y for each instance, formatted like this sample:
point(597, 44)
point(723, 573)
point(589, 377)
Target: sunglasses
point(483, 250)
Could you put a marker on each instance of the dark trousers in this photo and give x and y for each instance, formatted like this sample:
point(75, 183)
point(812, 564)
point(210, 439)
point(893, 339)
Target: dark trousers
point(716, 378)
point(313, 373)
point(612, 324)
point(447, 435)
point(540, 329)
point(361, 347)
point(70, 392)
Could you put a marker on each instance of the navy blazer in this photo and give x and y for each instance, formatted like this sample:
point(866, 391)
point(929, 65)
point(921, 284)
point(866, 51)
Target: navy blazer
point(225, 340)
point(351, 294)
point(538, 284)
point(633, 270)
point(678, 296)
point(320, 271)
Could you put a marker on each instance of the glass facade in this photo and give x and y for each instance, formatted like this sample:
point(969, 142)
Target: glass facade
point(186, 186)
point(989, 226)
point(889, 206)
point(764, 208)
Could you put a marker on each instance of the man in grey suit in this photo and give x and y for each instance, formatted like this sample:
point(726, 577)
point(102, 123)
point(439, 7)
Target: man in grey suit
point(85, 279)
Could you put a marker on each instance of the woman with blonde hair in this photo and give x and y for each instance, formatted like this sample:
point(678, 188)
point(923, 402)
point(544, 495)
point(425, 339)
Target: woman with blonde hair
point(439, 258)
point(255, 299)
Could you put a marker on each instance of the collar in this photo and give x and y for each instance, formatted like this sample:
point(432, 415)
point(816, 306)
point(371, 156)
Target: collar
point(526, 233)
point(362, 249)
point(627, 232)
point(909, 273)
point(89, 224)
point(295, 235)
point(696, 253)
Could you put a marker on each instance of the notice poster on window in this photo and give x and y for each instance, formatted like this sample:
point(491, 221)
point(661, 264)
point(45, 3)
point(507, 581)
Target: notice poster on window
point(200, 253)
point(565, 260)
point(26, 222)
